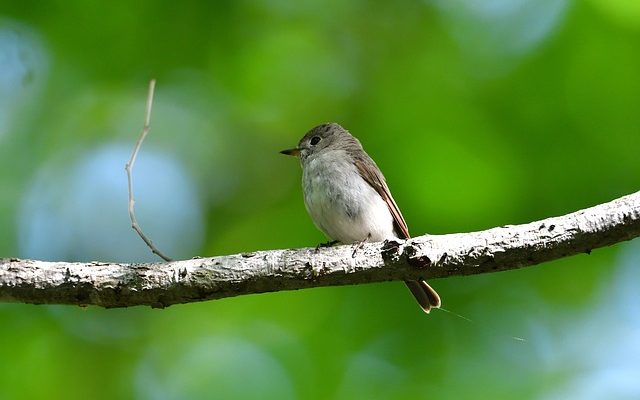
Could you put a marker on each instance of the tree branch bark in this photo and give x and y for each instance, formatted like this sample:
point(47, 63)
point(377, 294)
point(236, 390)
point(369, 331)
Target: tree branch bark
point(429, 256)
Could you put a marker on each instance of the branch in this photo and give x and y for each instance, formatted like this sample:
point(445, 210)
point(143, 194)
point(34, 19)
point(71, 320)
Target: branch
point(129, 168)
point(428, 256)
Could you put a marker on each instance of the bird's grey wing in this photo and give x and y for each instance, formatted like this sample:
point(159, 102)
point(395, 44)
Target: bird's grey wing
point(374, 177)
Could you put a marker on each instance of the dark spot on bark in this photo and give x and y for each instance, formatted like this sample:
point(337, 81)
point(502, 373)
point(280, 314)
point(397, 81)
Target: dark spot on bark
point(390, 250)
point(416, 260)
point(324, 270)
point(443, 258)
point(420, 261)
point(541, 227)
point(551, 228)
point(183, 273)
point(390, 245)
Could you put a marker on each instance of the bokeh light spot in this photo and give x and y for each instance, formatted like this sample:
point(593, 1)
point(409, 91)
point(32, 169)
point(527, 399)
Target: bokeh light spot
point(214, 367)
point(78, 210)
point(23, 66)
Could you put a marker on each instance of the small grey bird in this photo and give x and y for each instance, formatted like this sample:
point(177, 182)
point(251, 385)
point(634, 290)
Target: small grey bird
point(347, 197)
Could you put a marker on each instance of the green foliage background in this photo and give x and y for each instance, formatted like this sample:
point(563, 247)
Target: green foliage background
point(480, 114)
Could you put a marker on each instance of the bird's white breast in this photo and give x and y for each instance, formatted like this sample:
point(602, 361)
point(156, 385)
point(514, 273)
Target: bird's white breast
point(341, 203)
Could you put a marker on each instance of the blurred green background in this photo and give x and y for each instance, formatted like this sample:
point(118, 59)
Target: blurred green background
point(480, 113)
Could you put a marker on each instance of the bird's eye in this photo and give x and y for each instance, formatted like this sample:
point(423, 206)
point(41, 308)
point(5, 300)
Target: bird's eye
point(315, 140)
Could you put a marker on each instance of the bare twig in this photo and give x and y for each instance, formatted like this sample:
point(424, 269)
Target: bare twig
point(129, 168)
point(428, 256)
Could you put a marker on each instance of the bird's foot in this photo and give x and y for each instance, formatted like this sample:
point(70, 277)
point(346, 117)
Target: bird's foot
point(327, 244)
point(359, 245)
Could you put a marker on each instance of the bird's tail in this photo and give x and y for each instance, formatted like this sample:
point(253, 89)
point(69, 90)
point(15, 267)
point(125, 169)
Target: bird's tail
point(424, 294)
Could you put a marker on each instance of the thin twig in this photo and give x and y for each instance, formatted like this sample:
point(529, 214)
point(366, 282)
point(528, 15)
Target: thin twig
point(129, 168)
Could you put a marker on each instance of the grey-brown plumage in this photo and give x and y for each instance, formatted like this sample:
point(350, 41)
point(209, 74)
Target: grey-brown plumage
point(347, 196)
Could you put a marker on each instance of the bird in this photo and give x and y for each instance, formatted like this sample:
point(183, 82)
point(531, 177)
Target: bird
point(347, 197)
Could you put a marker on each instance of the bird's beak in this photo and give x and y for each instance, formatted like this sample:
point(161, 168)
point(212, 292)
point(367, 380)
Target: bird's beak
point(291, 152)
